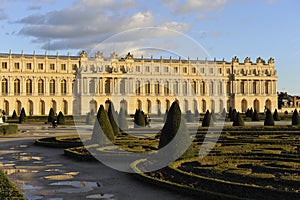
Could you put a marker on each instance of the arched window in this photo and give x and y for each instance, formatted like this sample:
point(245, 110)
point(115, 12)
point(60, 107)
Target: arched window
point(17, 87)
point(42, 107)
point(19, 107)
point(184, 88)
point(4, 86)
point(30, 107)
point(194, 87)
point(28, 86)
point(138, 87)
point(52, 87)
point(149, 106)
point(6, 107)
point(242, 87)
point(63, 87)
point(269, 104)
point(65, 107)
point(157, 88)
point(158, 106)
point(186, 105)
point(122, 86)
point(167, 104)
point(256, 105)
point(40, 86)
point(244, 105)
point(139, 104)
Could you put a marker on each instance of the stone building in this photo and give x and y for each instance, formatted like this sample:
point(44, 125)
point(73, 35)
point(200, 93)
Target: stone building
point(79, 84)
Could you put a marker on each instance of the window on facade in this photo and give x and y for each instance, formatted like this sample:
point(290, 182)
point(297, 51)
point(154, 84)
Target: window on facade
point(147, 69)
point(63, 67)
point(148, 88)
point(17, 65)
point(202, 70)
point(211, 88)
point(202, 88)
point(40, 66)
point(52, 86)
point(228, 71)
point(40, 87)
point(228, 88)
point(175, 69)
point(156, 69)
point(194, 70)
point(194, 87)
point(220, 88)
point(28, 66)
point(52, 66)
point(220, 70)
point(138, 87)
point(138, 68)
point(242, 87)
point(63, 87)
point(211, 70)
point(17, 87)
point(184, 88)
point(267, 91)
point(4, 65)
point(4, 86)
point(28, 86)
point(157, 88)
point(184, 70)
point(175, 88)
point(166, 69)
point(167, 88)
point(254, 87)
point(74, 67)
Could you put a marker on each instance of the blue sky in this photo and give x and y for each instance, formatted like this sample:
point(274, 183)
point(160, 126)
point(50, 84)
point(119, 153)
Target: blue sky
point(224, 28)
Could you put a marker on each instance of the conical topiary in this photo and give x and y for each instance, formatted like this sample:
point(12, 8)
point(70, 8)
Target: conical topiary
point(112, 118)
point(14, 115)
point(102, 131)
point(251, 112)
point(123, 125)
point(51, 115)
point(139, 119)
point(238, 120)
point(255, 116)
point(206, 119)
point(269, 121)
point(247, 113)
point(175, 126)
point(230, 112)
point(233, 113)
point(276, 116)
point(22, 117)
point(295, 118)
point(61, 118)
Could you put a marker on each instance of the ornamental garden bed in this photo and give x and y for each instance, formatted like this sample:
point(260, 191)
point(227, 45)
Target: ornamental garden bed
point(60, 142)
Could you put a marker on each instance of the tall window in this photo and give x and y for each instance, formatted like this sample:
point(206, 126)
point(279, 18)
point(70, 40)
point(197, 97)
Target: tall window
point(157, 88)
point(63, 67)
point(28, 66)
point(138, 87)
point(242, 87)
point(52, 66)
point(28, 86)
point(40, 66)
point(4, 65)
point(267, 91)
point(228, 88)
point(17, 87)
point(194, 87)
point(167, 88)
point(91, 87)
point(4, 86)
point(184, 88)
point(17, 65)
point(63, 86)
point(40, 86)
point(147, 88)
point(52, 86)
point(175, 87)
point(254, 87)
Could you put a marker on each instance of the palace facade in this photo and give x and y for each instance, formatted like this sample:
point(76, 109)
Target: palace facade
point(79, 84)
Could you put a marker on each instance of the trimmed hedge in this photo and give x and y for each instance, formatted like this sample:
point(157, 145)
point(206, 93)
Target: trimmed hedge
point(8, 190)
point(8, 129)
point(59, 142)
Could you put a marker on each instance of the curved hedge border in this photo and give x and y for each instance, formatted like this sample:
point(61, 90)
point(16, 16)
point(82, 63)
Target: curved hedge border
point(8, 190)
point(75, 154)
point(59, 142)
point(8, 129)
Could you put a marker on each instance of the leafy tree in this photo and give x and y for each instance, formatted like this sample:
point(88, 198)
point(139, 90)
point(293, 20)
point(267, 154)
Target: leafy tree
point(139, 119)
point(22, 117)
point(61, 118)
point(112, 116)
point(276, 116)
point(269, 121)
point(206, 119)
point(238, 120)
point(51, 115)
point(175, 126)
point(123, 125)
point(102, 131)
point(255, 116)
point(295, 118)
point(14, 115)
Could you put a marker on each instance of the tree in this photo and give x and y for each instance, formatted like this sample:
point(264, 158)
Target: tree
point(112, 116)
point(276, 116)
point(251, 112)
point(295, 118)
point(102, 131)
point(232, 116)
point(175, 126)
point(22, 117)
point(206, 120)
point(255, 116)
point(51, 115)
point(61, 118)
point(123, 125)
point(247, 113)
point(139, 119)
point(238, 120)
point(269, 121)
point(14, 115)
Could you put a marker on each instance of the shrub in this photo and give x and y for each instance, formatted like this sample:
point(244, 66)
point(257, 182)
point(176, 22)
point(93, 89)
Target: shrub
point(251, 112)
point(102, 128)
point(14, 115)
point(247, 113)
point(232, 116)
point(22, 117)
point(295, 118)
point(269, 121)
point(61, 118)
point(123, 125)
point(112, 118)
point(8, 190)
point(189, 116)
point(8, 129)
point(206, 120)
point(51, 115)
point(139, 119)
point(255, 116)
point(238, 120)
point(175, 126)
point(276, 116)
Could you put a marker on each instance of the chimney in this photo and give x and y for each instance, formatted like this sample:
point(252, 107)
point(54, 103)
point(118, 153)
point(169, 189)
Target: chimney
point(295, 101)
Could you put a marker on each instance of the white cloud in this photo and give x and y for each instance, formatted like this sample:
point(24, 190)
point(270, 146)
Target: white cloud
point(88, 22)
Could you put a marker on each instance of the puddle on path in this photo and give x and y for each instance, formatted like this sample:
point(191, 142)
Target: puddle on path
point(77, 184)
point(53, 170)
point(54, 165)
point(12, 171)
point(30, 187)
point(23, 146)
point(72, 173)
point(32, 197)
point(59, 177)
point(101, 196)
point(24, 157)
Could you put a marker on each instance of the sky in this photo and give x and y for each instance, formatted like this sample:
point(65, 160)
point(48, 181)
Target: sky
point(196, 28)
